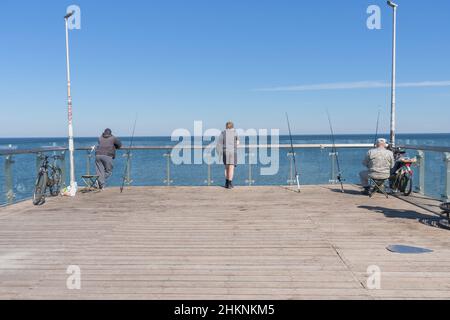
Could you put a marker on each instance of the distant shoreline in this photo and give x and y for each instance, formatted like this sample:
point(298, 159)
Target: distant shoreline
point(281, 135)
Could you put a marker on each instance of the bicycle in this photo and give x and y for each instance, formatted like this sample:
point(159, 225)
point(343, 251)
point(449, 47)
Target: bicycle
point(402, 180)
point(49, 177)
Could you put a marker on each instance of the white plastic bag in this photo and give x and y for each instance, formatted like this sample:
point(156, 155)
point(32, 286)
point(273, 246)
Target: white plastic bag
point(69, 191)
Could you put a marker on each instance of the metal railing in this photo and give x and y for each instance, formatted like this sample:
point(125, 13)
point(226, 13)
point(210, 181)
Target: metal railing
point(420, 188)
point(10, 155)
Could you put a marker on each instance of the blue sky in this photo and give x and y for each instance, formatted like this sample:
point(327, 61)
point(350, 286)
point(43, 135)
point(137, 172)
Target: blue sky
point(176, 61)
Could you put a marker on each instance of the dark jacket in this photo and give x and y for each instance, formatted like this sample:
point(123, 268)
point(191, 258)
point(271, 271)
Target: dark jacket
point(107, 145)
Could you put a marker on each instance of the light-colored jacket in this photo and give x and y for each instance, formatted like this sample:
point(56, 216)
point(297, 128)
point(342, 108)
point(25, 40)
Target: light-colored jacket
point(379, 161)
point(227, 144)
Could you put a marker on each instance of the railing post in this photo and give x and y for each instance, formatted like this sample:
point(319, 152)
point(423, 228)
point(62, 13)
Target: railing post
point(9, 179)
point(333, 156)
point(250, 180)
point(167, 180)
point(88, 162)
point(62, 159)
point(421, 164)
point(291, 181)
point(208, 160)
point(446, 195)
point(209, 180)
point(128, 157)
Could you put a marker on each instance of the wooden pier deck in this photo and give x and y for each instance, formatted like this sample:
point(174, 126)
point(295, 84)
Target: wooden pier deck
point(211, 243)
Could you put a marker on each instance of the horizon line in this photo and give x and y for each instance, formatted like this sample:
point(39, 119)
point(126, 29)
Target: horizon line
point(285, 134)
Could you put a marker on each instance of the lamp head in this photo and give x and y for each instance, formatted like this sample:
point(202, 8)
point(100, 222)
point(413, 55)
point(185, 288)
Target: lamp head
point(392, 4)
point(67, 16)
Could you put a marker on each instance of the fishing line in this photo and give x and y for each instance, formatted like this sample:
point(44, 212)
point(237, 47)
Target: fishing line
point(376, 131)
point(293, 153)
point(334, 151)
point(128, 155)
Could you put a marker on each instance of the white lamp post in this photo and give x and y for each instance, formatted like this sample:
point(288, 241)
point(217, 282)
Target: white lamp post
point(73, 184)
point(393, 85)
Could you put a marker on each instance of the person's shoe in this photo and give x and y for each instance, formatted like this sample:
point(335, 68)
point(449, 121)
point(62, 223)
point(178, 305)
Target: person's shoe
point(366, 191)
point(230, 184)
point(227, 184)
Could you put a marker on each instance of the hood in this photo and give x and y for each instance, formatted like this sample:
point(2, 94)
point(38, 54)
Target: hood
point(107, 133)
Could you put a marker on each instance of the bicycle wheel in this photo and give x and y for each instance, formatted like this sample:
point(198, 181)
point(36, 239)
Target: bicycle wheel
point(406, 185)
point(55, 186)
point(39, 189)
point(395, 183)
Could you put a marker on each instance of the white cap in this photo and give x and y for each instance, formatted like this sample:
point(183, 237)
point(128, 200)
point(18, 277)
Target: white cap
point(381, 140)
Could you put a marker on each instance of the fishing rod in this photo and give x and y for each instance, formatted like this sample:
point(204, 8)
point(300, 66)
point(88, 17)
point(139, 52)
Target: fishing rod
point(376, 132)
point(128, 155)
point(293, 153)
point(334, 151)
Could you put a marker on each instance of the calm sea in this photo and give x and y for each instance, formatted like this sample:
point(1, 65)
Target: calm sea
point(149, 166)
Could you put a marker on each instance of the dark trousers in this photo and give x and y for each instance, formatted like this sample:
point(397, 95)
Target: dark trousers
point(103, 167)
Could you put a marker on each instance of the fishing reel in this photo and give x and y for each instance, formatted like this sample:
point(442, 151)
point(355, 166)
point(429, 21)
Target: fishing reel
point(398, 150)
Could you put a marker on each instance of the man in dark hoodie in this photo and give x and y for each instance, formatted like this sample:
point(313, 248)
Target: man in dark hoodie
point(104, 156)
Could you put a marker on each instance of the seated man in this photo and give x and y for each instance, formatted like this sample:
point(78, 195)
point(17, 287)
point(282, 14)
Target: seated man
point(379, 162)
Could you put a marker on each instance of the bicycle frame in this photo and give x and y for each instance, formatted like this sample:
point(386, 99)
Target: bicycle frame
point(51, 172)
point(405, 170)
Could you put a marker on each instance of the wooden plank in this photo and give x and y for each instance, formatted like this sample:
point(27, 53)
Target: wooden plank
point(184, 243)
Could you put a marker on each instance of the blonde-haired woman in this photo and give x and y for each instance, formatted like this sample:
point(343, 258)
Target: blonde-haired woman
point(227, 145)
